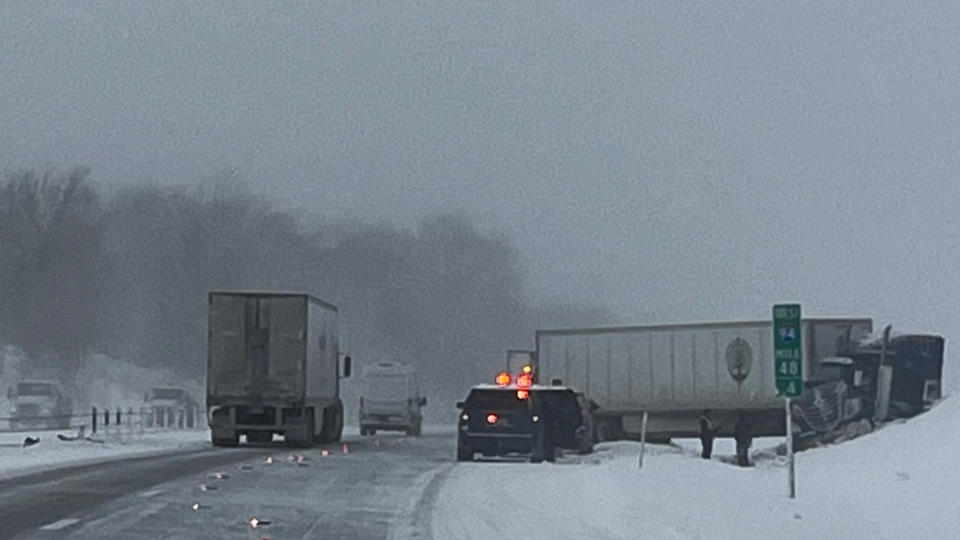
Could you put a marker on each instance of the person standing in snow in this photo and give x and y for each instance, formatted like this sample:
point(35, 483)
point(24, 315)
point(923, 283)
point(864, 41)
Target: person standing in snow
point(707, 433)
point(742, 434)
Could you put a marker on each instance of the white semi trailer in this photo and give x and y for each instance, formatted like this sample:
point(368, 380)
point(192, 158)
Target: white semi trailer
point(674, 372)
point(273, 368)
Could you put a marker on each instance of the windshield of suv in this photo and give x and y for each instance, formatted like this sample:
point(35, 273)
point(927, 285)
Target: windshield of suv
point(34, 389)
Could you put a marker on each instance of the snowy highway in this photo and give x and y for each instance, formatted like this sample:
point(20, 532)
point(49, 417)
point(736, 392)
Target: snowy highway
point(382, 487)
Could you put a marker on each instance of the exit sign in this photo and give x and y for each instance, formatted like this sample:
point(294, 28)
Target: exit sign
point(787, 349)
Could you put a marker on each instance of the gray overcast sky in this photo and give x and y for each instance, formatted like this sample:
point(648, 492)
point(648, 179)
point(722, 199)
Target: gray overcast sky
point(673, 160)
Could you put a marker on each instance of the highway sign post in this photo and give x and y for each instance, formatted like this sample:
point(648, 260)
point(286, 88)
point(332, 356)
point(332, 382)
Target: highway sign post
point(788, 366)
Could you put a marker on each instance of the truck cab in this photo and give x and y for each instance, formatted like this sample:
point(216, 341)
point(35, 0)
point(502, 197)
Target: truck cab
point(390, 399)
point(39, 404)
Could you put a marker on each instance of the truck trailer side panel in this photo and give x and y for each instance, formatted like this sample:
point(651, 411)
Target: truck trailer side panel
point(674, 372)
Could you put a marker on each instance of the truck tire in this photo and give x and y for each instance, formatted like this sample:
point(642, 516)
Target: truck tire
point(310, 435)
point(227, 441)
point(332, 429)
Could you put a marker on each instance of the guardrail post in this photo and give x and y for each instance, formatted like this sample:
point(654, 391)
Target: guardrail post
point(94, 423)
point(106, 417)
point(118, 416)
point(130, 418)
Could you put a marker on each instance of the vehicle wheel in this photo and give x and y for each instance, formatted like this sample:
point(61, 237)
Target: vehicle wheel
point(371, 431)
point(363, 431)
point(332, 429)
point(550, 453)
point(228, 441)
point(464, 452)
point(310, 434)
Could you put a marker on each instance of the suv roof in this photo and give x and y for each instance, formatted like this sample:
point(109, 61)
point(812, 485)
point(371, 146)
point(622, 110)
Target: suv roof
point(514, 388)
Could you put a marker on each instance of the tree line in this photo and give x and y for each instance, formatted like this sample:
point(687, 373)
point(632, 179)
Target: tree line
point(127, 275)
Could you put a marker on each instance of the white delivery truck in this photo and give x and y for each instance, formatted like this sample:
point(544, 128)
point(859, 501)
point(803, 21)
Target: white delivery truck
point(273, 368)
point(390, 399)
point(674, 372)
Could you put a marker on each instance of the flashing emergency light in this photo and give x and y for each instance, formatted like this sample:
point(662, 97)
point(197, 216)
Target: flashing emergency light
point(503, 378)
point(492, 418)
point(528, 369)
point(525, 380)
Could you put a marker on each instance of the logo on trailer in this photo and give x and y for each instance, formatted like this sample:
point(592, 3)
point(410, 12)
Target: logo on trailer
point(739, 359)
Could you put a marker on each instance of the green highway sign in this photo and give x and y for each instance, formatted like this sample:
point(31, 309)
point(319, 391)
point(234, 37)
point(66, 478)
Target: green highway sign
point(787, 349)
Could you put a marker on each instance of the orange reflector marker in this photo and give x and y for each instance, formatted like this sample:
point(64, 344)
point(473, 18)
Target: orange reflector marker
point(522, 394)
point(492, 418)
point(503, 378)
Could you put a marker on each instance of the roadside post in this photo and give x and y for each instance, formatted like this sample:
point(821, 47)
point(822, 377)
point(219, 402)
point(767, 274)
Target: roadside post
point(788, 366)
point(643, 437)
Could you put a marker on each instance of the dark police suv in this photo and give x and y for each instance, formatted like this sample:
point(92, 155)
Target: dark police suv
point(505, 419)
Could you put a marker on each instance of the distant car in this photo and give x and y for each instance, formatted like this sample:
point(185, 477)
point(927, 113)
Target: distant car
point(39, 404)
point(505, 420)
point(170, 407)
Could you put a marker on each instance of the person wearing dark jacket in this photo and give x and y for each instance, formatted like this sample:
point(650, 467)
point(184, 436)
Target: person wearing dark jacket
point(742, 433)
point(707, 433)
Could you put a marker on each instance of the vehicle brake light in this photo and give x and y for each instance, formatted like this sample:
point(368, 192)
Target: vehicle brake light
point(492, 418)
point(522, 394)
point(525, 380)
point(503, 378)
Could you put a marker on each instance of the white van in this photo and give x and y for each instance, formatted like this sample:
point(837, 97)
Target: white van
point(390, 399)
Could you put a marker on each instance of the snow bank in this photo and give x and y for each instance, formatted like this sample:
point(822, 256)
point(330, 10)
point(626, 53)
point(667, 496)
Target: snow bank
point(900, 482)
point(52, 453)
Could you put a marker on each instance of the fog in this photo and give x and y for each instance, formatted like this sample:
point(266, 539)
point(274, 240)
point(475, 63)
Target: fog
point(669, 161)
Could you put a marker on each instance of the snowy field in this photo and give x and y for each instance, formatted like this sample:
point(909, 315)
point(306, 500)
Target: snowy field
point(49, 453)
point(899, 482)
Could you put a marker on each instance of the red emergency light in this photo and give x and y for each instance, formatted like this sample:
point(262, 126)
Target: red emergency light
point(503, 378)
point(492, 418)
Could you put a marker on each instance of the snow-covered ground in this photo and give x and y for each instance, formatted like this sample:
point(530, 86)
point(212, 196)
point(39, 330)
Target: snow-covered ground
point(899, 482)
point(50, 452)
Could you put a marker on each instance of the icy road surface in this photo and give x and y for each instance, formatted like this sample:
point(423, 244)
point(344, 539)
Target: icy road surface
point(382, 488)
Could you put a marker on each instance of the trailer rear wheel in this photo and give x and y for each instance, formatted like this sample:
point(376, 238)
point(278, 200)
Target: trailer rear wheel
point(226, 441)
point(309, 434)
point(332, 429)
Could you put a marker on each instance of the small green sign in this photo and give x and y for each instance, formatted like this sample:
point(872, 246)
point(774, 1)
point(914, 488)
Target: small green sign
point(787, 349)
